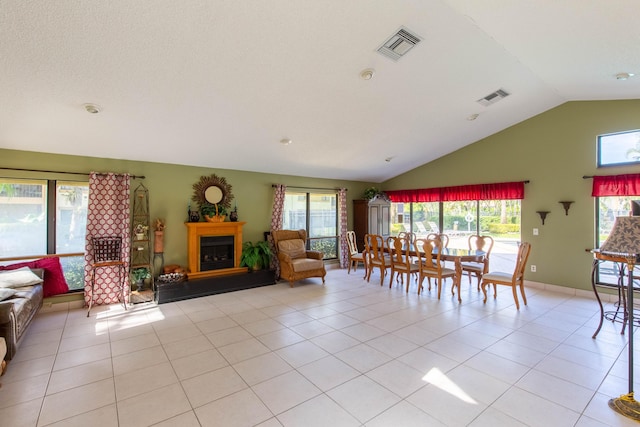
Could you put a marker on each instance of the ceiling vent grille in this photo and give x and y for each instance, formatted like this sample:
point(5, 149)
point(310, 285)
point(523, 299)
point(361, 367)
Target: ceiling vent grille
point(494, 97)
point(399, 44)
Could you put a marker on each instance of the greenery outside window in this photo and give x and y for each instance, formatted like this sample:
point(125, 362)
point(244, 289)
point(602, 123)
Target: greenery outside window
point(27, 229)
point(317, 213)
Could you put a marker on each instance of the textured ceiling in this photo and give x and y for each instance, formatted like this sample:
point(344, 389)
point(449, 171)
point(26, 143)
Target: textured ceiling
point(219, 83)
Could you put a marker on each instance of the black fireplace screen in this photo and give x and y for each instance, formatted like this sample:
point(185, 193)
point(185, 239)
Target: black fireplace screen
point(216, 252)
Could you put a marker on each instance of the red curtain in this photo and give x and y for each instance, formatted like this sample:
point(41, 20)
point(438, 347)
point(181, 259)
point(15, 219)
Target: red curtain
point(616, 185)
point(496, 191)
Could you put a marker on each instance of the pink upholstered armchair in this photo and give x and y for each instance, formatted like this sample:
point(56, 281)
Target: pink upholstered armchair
point(296, 262)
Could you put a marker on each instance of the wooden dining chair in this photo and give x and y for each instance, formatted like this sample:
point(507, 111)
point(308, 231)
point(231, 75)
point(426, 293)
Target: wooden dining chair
point(401, 263)
point(355, 257)
point(515, 279)
point(480, 243)
point(440, 236)
point(376, 256)
point(430, 265)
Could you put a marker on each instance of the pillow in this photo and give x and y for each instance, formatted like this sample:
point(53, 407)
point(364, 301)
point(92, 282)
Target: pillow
point(18, 278)
point(294, 248)
point(6, 293)
point(54, 281)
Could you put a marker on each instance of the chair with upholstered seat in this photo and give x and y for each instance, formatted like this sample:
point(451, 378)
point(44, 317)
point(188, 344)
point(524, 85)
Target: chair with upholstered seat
point(355, 257)
point(296, 262)
point(480, 243)
point(430, 265)
point(515, 279)
point(376, 256)
point(400, 262)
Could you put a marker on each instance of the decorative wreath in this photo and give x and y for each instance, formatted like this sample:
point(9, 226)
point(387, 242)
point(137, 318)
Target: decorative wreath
point(207, 182)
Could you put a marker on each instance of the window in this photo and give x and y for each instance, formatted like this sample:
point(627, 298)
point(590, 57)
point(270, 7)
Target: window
point(317, 213)
point(25, 223)
point(619, 148)
point(607, 209)
point(499, 219)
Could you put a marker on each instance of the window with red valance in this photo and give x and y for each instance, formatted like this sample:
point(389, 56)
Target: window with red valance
point(496, 191)
point(616, 185)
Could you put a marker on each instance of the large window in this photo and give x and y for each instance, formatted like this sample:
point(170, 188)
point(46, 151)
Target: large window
point(27, 228)
point(607, 209)
point(619, 148)
point(499, 219)
point(317, 213)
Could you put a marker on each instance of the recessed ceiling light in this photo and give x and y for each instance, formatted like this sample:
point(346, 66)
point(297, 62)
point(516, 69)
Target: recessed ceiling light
point(285, 141)
point(624, 76)
point(92, 108)
point(367, 74)
point(473, 117)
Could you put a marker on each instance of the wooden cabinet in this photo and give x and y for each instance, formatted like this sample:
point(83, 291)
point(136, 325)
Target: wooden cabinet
point(371, 217)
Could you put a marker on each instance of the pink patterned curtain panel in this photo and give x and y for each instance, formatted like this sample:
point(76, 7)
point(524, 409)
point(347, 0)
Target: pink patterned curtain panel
point(276, 221)
point(342, 211)
point(108, 214)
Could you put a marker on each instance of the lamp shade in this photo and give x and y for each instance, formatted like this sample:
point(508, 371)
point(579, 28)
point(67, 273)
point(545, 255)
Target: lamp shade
point(624, 238)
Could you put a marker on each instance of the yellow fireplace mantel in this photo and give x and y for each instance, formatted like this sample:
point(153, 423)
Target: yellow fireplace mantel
point(196, 230)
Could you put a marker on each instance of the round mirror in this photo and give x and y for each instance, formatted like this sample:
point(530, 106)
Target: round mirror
point(213, 194)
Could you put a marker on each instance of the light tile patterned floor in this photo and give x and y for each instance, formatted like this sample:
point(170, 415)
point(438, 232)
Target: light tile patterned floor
point(349, 353)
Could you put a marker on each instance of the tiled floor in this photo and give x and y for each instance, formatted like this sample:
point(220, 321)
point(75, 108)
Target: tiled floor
point(349, 353)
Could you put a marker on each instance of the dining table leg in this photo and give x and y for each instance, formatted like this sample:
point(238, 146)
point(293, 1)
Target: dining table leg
point(457, 278)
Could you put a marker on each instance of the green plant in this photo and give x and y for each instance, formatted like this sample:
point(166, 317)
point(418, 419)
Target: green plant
point(372, 193)
point(256, 256)
point(141, 273)
point(209, 209)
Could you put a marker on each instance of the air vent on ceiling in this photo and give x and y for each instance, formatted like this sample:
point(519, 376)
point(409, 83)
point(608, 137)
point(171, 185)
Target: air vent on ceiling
point(494, 97)
point(399, 44)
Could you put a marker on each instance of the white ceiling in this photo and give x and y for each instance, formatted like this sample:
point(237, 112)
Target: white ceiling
point(218, 83)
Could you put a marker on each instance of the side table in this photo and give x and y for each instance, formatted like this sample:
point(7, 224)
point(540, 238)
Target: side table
point(620, 313)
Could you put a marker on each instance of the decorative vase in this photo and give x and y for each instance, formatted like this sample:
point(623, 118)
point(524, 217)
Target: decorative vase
point(233, 216)
point(158, 242)
point(140, 285)
point(194, 216)
point(139, 236)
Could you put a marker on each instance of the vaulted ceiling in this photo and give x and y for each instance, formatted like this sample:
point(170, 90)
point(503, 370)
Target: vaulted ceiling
point(219, 83)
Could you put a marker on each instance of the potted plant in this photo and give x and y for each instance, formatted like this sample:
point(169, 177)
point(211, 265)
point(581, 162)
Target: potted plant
point(256, 256)
point(139, 275)
point(373, 193)
point(140, 230)
point(213, 212)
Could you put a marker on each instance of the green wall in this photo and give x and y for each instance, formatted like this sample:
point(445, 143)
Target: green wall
point(553, 150)
point(170, 190)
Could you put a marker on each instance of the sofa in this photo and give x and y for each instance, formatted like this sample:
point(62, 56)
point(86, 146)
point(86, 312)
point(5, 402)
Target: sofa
point(296, 262)
point(22, 295)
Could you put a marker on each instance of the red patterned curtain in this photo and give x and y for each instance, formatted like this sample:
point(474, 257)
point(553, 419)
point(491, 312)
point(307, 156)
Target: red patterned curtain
point(276, 221)
point(496, 191)
point(342, 211)
point(616, 185)
point(108, 214)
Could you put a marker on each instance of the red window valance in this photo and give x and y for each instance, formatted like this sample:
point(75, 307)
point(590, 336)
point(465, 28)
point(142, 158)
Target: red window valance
point(496, 191)
point(616, 185)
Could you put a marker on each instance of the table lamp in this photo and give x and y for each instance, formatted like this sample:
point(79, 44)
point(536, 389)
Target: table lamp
point(624, 241)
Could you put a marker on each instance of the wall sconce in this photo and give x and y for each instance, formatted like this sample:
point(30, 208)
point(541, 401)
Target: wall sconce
point(543, 215)
point(566, 206)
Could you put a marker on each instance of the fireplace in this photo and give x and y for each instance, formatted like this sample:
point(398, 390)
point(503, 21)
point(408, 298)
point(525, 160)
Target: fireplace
point(214, 248)
point(216, 252)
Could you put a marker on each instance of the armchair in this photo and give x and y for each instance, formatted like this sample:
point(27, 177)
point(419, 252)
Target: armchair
point(296, 262)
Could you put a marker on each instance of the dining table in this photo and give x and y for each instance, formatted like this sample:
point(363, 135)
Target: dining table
point(457, 256)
